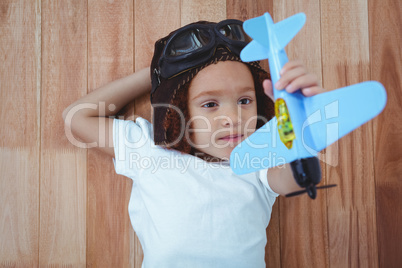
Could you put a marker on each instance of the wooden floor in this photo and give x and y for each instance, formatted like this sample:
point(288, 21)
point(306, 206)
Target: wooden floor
point(63, 205)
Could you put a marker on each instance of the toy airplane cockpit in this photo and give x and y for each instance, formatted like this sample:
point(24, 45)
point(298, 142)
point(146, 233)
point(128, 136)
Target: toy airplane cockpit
point(299, 129)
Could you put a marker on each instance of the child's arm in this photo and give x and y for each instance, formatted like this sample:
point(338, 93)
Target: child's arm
point(281, 180)
point(87, 118)
point(294, 76)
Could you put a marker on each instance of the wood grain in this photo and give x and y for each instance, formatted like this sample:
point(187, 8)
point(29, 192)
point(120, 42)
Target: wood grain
point(244, 10)
point(110, 56)
point(351, 205)
point(385, 26)
point(63, 165)
point(195, 10)
point(304, 234)
point(147, 32)
point(20, 68)
point(167, 15)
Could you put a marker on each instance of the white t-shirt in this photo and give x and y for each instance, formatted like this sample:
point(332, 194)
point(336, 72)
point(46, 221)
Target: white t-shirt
point(188, 212)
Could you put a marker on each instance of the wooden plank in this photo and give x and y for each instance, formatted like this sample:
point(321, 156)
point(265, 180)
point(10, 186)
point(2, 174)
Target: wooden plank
point(304, 234)
point(351, 205)
point(20, 46)
point(243, 10)
point(63, 165)
point(167, 14)
point(385, 66)
point(195, 10)
point(110, 56)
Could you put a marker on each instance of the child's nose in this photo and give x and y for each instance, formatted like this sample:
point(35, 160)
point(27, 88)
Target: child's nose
point(231, 117)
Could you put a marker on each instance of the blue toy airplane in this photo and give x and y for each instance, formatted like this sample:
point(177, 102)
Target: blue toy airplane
point(300, 127)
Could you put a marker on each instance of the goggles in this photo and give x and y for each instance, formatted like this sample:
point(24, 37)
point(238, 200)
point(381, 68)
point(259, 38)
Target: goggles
point(195, 44)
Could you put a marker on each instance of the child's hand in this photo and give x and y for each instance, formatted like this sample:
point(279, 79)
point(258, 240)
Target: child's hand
point(294, 76)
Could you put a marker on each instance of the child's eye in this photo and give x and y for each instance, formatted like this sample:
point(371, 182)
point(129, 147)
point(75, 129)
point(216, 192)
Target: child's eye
point(209, 105)
point(244, 101)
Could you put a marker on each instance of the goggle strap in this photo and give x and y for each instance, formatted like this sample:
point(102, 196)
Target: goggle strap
point(156, 80)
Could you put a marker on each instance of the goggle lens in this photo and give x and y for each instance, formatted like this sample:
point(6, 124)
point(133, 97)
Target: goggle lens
point(234, 32)
point(189, 42)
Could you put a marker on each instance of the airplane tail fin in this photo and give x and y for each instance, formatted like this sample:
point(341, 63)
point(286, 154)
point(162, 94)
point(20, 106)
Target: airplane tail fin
point(286, 29)
point(262, 28)
point(258, 49)
point(257, 28)
point(254, 51)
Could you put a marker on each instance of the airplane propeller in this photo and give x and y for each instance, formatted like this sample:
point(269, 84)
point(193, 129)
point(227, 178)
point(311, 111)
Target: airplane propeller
point(311, 190)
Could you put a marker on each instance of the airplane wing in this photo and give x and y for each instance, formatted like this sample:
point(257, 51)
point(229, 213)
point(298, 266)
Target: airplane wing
point(254, 51)
point(330, 116)
point(286, 29)
point(260, 29)
point(333, 114)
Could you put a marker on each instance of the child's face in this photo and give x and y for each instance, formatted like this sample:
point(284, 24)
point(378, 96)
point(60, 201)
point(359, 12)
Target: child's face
point(222, 108)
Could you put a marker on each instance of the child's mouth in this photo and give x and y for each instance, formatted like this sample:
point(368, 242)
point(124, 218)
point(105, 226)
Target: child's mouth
point(232, 138)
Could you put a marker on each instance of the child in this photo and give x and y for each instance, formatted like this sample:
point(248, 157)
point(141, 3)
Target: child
point(187, 207)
